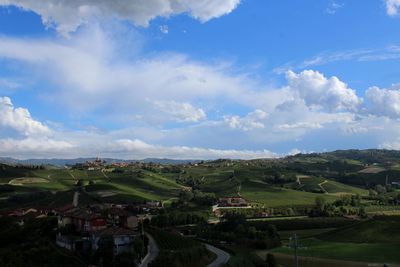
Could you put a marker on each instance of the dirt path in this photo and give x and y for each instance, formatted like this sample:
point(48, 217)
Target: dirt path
point(73, 176)
point(106, 176)
point(323, 189)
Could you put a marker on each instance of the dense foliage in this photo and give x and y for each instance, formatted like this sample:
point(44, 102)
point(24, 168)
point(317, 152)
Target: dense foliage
point(32, 244)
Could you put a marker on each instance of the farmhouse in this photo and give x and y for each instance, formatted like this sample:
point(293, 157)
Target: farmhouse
point(232, 202)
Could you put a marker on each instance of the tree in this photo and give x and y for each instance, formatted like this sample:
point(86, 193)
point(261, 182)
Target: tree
point(271, 261)
point(232, 220)
point(320, 203)
point(105, 252)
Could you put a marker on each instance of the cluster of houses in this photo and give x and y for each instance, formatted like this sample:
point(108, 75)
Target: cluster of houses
point(81, 229)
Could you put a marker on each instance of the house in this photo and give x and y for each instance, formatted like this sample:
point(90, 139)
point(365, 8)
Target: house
point(122, 218)
point(73, 243)
point(122, 239)
point(232, 202)
point(153, 204)
point(83, 220)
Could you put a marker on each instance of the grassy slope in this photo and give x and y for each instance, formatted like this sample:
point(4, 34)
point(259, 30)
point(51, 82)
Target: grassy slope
point(368, 252)
point(127, 187)
point(276, 196)
point(376, 240)
point(381, 229)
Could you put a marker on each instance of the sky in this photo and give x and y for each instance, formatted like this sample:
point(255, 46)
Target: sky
point(197, 79)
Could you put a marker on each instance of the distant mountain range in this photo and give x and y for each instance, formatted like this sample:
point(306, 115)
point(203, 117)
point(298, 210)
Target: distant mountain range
point(64, 162)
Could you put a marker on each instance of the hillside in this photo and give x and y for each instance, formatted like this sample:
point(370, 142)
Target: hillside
point(294, 180)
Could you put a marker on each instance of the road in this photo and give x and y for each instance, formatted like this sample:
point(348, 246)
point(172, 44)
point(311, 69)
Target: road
point(222, 256)
point(153, 252)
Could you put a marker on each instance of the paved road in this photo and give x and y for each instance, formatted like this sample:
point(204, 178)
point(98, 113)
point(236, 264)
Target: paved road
point(153, 251)
point(222, 256)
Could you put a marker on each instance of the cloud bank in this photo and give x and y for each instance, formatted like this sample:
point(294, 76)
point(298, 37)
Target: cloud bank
point(67, 15)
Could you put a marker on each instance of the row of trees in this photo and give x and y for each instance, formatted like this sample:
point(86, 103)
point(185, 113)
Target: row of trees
point(344, 206)
point(235, 229)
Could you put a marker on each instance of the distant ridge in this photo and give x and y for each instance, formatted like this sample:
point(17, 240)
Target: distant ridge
point(364, 155)
point(64, 162)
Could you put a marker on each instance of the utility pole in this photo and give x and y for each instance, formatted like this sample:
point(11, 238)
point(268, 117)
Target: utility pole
point(141, 223)
point(295, 246)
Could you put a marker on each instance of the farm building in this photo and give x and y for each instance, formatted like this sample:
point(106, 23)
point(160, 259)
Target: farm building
point(232, 202)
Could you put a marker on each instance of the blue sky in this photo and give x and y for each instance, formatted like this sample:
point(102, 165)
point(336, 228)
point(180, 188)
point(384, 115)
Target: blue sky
point(197, 79)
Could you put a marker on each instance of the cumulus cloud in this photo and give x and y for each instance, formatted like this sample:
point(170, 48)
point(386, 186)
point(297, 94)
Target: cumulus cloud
point(33, 147)
point(103, 146)
point(181, 152)
point(392, 7)
point(317, 90)
point(384, 102)
point(67, 15)
point(19, 120)
point(253, 120)
point(171, 87)
point(180, 112)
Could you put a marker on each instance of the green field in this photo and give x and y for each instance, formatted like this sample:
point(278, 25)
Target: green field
point(366, 252)
point(373, 240)
point(110, 187)
point(277, 196)
point(379, 229)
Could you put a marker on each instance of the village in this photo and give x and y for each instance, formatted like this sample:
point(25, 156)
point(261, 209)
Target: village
point(83, 229)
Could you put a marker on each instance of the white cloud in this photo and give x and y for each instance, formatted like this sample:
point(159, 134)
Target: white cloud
point(67, 15)
point(44, 147)
point(333, 8)
point(8, 85)
point(384, 102)
point(253, 120)
point(300, 125)
point(19, 119)
point(139, 96)
point(294, 151)
point(394, 145)
point(102, 145)
point(97, 77)
point(164, 29)
point(180, 112)
point(183, 152)
point(317, 90)
point(392, 7)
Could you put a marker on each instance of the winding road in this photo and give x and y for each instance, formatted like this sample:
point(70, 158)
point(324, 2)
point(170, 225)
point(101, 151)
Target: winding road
point(153, 252)
point(222, 256)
